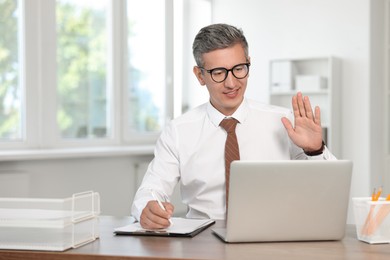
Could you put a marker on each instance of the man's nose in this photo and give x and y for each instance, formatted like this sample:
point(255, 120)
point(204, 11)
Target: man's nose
point(230, 80)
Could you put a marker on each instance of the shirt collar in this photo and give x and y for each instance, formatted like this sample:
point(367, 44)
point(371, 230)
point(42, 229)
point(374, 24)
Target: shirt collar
point(240, 114)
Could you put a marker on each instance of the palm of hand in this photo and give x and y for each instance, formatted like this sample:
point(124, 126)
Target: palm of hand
point(307, 134)
point(307, 131)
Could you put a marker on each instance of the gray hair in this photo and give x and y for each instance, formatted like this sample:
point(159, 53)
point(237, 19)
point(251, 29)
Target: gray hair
point(217, 36)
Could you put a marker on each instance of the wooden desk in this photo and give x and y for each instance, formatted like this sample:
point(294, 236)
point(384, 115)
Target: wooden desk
point(204, 246)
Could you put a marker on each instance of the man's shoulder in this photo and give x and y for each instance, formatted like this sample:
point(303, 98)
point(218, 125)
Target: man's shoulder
point(262, 107)
point(191, 115)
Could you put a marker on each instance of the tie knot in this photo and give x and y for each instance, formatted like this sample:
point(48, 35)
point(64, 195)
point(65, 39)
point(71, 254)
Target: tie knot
point(229, 124)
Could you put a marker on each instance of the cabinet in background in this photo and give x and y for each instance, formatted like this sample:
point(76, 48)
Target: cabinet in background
point(318, 78)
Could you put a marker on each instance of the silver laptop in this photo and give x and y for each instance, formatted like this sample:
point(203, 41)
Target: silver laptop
point(287, 201)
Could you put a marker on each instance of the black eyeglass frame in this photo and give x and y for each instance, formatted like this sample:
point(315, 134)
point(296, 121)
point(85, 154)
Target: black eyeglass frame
point(247, 64)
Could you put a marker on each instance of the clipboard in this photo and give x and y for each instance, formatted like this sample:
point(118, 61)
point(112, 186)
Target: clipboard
point(181, 227)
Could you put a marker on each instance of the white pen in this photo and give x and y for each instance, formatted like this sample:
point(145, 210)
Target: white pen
point(160, 204)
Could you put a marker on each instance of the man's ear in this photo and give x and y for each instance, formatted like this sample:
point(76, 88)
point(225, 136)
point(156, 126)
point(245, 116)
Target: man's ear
point(249, 60)
point(198, 74)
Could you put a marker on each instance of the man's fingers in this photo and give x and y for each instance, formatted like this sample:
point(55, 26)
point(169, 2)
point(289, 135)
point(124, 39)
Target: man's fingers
point(317, 118)
point(308, 109)
point(154, 217)
point(294, 103)
point(301, 105)
point(287, 124)
point(169, 208)
point(150, 221)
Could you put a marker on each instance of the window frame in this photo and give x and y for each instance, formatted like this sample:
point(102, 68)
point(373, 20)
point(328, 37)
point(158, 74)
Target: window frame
point(38, 79)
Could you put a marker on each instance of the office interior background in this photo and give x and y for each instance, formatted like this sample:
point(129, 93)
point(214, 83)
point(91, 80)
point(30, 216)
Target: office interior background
point(86, 86)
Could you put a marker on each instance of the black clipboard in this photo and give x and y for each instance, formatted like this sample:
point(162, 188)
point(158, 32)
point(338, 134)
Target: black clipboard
point(194, 227)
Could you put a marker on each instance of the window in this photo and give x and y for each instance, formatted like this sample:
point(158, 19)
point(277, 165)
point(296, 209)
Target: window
point(82, 38)
point(89, 73)
point(146, 65)
point(11, 127)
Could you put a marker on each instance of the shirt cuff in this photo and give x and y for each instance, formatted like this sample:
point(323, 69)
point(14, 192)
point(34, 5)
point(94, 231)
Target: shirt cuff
point(139, 204)
point(326, 155)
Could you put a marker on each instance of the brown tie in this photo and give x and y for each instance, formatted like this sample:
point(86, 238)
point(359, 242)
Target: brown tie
point(231, 149)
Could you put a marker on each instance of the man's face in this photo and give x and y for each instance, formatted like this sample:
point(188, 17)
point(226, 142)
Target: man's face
point(225, 96)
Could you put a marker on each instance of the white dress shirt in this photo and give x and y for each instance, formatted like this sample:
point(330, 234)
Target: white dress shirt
point(190, 151)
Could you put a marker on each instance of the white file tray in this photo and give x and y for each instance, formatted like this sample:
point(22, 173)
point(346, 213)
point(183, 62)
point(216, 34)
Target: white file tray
point(49, 224)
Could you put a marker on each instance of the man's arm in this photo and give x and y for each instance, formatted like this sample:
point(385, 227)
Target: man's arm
point(161, 177)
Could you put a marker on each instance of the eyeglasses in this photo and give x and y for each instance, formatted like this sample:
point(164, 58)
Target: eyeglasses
point(219, 75)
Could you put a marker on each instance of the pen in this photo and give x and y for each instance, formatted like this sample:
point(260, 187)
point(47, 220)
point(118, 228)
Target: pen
point(381, 215)
point(377, 195)
point(160, 204)
point(369, 225)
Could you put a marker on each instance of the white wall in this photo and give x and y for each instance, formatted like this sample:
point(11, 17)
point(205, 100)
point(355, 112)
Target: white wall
point(115, 178)
point(304, 28)
point(378, 94)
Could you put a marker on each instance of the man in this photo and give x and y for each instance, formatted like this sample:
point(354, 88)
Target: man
point(191, 149)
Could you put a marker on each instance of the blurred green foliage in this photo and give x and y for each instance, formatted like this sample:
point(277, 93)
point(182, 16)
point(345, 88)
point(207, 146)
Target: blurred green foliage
point(10, 127)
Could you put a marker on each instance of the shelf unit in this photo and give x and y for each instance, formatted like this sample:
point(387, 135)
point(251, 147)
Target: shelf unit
point(318, 78)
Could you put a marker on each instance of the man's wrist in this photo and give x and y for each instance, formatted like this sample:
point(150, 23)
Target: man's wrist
point(317, 152)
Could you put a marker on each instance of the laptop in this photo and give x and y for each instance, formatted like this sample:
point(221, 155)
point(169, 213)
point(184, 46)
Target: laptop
point(287, 201)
